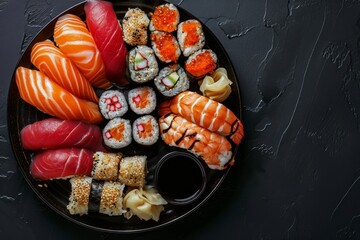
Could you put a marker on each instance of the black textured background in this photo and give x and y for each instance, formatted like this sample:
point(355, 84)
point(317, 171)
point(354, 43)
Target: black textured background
point(298, 171)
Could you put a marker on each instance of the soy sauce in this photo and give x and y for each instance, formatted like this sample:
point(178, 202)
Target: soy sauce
point(180, 178)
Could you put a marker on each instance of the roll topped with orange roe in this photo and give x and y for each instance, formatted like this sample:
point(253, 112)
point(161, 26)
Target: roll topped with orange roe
point(190, 36)
point(165, 18)
point(201, 63)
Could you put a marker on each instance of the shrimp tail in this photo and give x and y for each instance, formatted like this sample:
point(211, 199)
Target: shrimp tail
point(164, 108)
point(237, 132)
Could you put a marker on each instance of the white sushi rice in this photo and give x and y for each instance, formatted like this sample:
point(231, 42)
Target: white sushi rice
point(148, 73)
point(135, 24)
point(112, 142)
point(181, 35)
point(112, 199)
point(152, 136)
point(106, 166)
point(80, 193)
point(133, 171)
point(112, 104)
point(133, 93)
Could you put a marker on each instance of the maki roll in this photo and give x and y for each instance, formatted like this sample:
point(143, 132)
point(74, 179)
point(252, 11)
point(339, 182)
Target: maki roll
point(142, 64)
point(133, 171)
point(165, 18)
point(112, 104)
point(117, 133)
point(201, 63)
point(142, 100)
point(106, 166)
point(145, 130)
point(172, 80)
point(165, 46)
point(190, 36)
point(80, 193)
point(111, 199)
point(87, 195)
point(135, 24)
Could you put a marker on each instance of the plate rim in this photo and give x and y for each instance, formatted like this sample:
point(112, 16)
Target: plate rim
point(13, 136)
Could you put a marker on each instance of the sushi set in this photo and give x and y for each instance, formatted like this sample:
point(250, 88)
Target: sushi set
point(125, 116)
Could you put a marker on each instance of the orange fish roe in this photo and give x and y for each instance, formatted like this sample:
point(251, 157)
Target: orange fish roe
point(142, 99)
point(146, 129)
point(201, 65)
point(164, 19)
point(117, 132)
point(165, 45)
point(192, 37)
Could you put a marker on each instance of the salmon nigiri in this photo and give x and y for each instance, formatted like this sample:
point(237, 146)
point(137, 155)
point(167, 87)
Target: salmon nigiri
point(76, 42)
point(54, 64)
point(38, 90)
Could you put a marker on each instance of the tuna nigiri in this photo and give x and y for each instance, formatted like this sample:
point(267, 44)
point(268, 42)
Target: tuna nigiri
point(61, 163)
point(206, 113)
point(104, 26)
point(54, 133)
point(213, 148)
point(54, 64)
point(38, 90)
point(76, 42)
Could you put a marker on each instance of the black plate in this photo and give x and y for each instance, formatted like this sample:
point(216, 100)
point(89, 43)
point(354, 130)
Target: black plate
point(57, 192)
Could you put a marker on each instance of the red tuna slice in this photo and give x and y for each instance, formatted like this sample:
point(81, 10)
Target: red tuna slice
point(105, 28)
point(61, 163)
point(54, 133)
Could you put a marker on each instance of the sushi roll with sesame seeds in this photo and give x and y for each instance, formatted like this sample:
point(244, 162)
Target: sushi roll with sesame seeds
point(190, 36)
point(165, 46)
point(90, 195)
point(112, 198)
point(145, 130)
point(172, 80)
point(135, 24)
point(165, 18)
point(106, 166)
point(201, 63)
point(80, 193)
point(133, 171)
point(142, 64)
point(142, 100)
point(112, 104)
point(117, 133)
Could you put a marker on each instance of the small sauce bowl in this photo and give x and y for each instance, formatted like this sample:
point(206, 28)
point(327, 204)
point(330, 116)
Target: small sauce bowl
point(180, 177)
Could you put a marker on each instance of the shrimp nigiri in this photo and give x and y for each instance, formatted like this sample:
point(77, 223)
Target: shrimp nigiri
point(76, 42)
point(213, 148)
point(206, 113)
point(38, 90)
point(54, 64)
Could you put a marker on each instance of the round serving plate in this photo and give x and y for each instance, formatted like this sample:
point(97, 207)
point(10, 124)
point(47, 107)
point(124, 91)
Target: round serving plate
point(57, 192)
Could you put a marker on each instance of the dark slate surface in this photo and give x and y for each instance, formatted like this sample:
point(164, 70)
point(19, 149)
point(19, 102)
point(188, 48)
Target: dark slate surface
point(298, 172)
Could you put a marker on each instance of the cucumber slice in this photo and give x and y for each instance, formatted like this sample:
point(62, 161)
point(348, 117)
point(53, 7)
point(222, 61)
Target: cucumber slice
point(174, 77)
point(139, 57)
point(170, 80)
point(140, 61)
